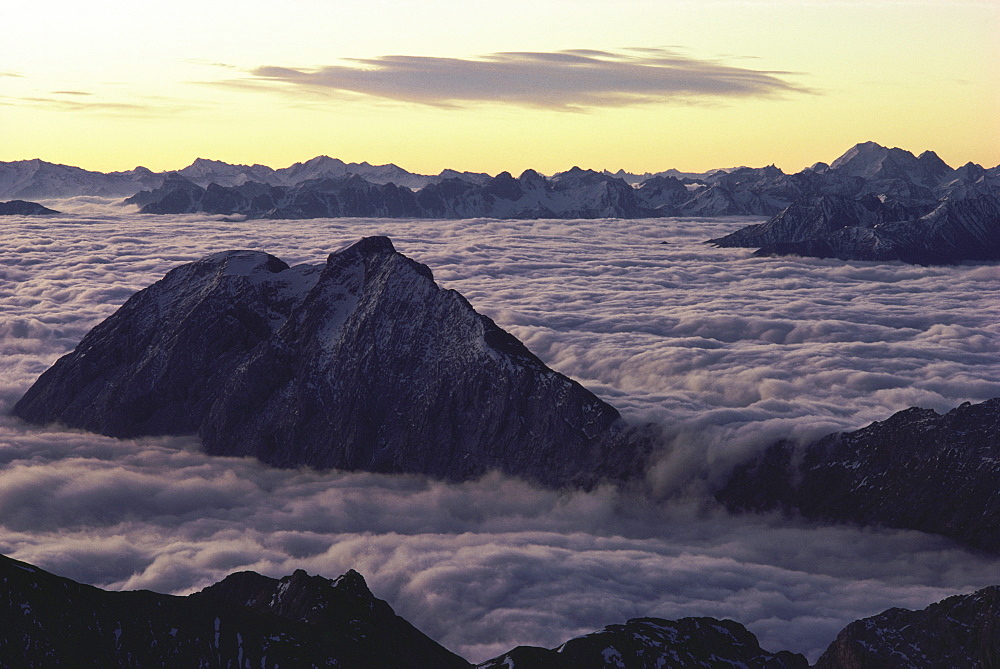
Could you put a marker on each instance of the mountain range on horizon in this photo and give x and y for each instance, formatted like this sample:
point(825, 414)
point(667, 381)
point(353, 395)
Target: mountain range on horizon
point(40, 179)
point(37, 178)
point(871, 203)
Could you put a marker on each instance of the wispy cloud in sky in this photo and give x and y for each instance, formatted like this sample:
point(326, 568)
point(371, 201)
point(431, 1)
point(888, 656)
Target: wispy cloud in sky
point(563, 80)
point(84, 102)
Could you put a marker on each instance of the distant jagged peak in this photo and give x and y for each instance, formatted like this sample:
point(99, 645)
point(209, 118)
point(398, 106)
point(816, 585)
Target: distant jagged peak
point(864, 155)
point(870, 160)
point(577, 173)
point(320, 160)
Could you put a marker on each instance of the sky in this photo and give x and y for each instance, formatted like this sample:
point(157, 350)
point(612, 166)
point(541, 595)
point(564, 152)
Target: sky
point(645, 85)
point(724, 351)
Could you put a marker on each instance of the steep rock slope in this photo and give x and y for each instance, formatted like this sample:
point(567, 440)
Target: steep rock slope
point(961, 631)
point(917, 470)
point(812, 218)
point(957, 230)
point(363, 363)
point(651, 643)
point(52, 621)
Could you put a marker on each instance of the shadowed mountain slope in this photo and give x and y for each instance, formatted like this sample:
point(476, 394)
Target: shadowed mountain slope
point(361, 363)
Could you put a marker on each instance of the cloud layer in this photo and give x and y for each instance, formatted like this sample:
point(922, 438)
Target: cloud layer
point(724, 351)
point(564, 80)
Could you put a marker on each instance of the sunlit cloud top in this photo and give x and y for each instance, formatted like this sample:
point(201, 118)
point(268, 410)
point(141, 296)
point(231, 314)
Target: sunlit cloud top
point(565, 80)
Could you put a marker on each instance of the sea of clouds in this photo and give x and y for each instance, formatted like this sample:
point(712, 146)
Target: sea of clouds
point(723, 351)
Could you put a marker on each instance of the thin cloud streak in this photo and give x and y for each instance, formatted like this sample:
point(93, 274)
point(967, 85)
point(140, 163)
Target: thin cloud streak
point(138, 108)
point(572, 80)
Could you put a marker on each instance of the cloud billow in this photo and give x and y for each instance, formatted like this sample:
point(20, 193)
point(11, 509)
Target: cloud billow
point(724, 351)
point(562, 80)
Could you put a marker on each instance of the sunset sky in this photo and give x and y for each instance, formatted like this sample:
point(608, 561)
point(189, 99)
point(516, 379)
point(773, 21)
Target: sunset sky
point(642, 85)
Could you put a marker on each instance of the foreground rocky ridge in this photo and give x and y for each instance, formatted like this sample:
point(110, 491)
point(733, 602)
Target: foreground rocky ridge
point(246, 620)
point(961, 631)
point(654, 642)
point(361, 363)
point(309, 621)
point(916, 470)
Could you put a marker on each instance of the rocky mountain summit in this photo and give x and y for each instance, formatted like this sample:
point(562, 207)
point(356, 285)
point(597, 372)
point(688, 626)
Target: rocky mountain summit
point(916, 470)
point(361, 363)
point(245, 620)
point(961, 631)
point(891, 206)
point(654, 642)
point(22, 208)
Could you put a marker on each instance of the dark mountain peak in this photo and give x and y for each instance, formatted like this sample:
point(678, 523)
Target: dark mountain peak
point(970, 172)
point(298, 596)
point(654, 642)
point(505, 186)
point(244, 620)
point(375, 254)
point(320, 161)
point(532, 179)
point(352, 581)
point(931, 158)
point(960, 631)
point(239, 263)
point(900, 472)
point(369, 245)
point(361, 363)
point(23, 208)
point(206, 162)
point(576, 173)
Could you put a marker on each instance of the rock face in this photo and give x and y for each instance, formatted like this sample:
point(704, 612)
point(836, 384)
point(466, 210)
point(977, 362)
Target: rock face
point(961, 631)
point(957, 230)
point(647, 643)
point(309, 621)
point(917, 470)
point(361, 363)
point(343, 607)
point(813, 218)
point(20, 207)
point(304, 622)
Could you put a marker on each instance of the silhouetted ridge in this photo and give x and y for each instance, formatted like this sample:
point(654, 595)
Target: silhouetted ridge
point(245, 620)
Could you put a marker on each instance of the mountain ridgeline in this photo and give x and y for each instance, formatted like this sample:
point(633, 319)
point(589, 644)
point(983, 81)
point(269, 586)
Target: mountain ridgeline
point(893, 206)
point(361, 363)
point(910, 186)
point(250, 620)
point(245, 620)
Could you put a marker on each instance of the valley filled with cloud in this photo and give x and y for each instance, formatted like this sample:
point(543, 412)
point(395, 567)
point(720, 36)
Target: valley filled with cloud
point(721, 351)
